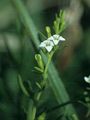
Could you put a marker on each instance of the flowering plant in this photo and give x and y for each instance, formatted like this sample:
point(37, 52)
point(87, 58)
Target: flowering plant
point(49, 47)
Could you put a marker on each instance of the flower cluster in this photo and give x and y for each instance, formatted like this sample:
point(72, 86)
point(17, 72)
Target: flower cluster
point(87, 79)
point(51, 42)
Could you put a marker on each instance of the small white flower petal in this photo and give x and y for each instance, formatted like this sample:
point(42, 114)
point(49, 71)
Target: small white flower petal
point(61, 38)
point(50, 38)
point(57, 39)
point(54, 39)
point(42, 45)
point(56, 36)
point(87, 79)
point(56, 42)
point(50, 42)
point(47, 44)
point(49, 48)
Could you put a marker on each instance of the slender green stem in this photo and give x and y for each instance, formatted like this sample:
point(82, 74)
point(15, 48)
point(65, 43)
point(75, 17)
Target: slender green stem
point(47, 65)
point(49, 60)
point(31, 111)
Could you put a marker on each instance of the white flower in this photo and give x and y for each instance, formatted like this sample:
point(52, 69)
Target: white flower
point(56, 39)
point(47, 44)
point(87, 79)
point(51, 42)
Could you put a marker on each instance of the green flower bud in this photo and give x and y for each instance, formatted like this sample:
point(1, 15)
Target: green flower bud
point(39, 60)
point(48, 30)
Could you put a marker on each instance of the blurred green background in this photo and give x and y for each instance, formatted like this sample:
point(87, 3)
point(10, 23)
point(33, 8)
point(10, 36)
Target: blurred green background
point(17, 52)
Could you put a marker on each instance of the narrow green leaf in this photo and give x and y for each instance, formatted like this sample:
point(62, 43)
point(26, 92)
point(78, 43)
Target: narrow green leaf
point(38, 85)
point(22, 86)
point(38, 69)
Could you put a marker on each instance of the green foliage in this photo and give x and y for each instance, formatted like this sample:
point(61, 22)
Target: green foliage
point(39, 60)
point(59, 23)
point(48, 30)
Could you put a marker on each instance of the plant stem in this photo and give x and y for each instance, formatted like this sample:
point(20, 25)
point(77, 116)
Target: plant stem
point(31, 111)
point(47, 65)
